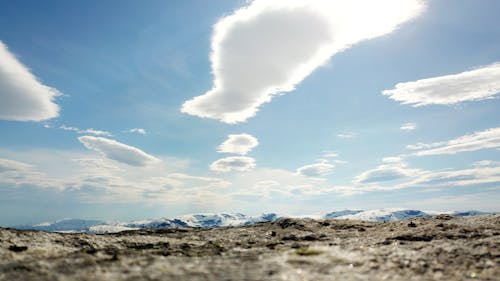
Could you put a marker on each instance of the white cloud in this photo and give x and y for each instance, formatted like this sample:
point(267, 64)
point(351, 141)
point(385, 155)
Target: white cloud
point(477, 84)
point(118, 151)
point(140, 131)
point(480, 173)
point(408, 127)
point(238, 144)
point(234, 163)
point(15, 173)
point(348, 135)
point(394, 170)
point(422, 145)
point(395, 159)
point(398, 176)
point(316, 170)
point(101, 180)
point(84, 131)
point(11, 165)
point(22, 96)
point(330, 154)
point(489, 138)
point(263, 182)
point(270, 46)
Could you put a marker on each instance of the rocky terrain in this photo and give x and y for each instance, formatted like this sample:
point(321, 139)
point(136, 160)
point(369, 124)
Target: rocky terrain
point(430, 248)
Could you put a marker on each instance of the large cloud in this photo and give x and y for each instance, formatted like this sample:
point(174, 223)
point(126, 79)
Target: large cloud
point(234, 163)
point(478, 84)
point(118, 151)
point(238, 144)
point(270, 46)
point(22, 96)
point(489, 138)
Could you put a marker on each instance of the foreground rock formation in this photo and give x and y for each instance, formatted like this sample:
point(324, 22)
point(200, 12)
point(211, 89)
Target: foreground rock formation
point(439, 248)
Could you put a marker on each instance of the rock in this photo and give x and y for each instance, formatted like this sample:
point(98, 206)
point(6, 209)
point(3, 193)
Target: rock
point(289, 249)
point(16, 248)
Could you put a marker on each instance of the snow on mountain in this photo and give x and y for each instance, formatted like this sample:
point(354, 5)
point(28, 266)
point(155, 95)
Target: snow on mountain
point(337, 214)
point(214, 220)
point(64, 225)
point(108, 228)
point(468, 213)
point(385, 215)
point(209, 220)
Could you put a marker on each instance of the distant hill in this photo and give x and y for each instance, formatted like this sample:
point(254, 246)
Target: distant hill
point(211, 220)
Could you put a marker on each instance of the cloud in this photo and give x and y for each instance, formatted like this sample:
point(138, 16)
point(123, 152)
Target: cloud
point(489, 138)
point(270, 46)
point(137, 131)
point(22, 96)
point(477, 84)
point(84, 131)
point(11, 165)
point(316, 170)
point(330, 154)
point(394, 170)
point(15, 173)
point(398, 176)
point(264, 182)
point(234, 163)
point(238, 144)
point(101, 180)
point(118, 151)
point(395, 159)
point(408, 127)
point(348, 135)
point(482, 172)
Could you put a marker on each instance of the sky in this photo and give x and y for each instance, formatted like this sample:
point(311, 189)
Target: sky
point(124, 110)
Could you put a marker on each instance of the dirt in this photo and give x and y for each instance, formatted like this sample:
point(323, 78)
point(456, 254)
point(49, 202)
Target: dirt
point(439, 248)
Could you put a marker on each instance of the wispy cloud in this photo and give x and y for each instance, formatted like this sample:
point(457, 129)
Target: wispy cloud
point(264, 182)
point(398, 176)
point(85, 131)
point(270, 46)
point(106, 181)
point(118, 151)
point(316, 170)
point(408, 127)
point(234, 163)
point(477, 84)
point(238, 144)
point(22, 96)
point(330, 154)
point(392, 170)
point(16, 173)
point(140, 131)
point(346, 135)
point(11, 165)
point(489, 138)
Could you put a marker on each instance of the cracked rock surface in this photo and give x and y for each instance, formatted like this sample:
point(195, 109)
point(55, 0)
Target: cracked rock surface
point(438, 248)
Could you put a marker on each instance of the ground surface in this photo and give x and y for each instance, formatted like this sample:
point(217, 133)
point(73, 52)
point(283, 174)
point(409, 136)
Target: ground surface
point(440, 248)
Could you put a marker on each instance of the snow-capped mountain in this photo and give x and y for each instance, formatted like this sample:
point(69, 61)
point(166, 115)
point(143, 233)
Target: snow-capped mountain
point(467, 213)
point(209, 220)
point(64, 225)
point(339, 214)
point(385, 215)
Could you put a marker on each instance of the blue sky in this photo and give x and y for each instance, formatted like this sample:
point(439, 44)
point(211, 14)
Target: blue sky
point(109, 110)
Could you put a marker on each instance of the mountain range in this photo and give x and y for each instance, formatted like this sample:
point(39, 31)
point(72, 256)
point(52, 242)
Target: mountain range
point(210, 220)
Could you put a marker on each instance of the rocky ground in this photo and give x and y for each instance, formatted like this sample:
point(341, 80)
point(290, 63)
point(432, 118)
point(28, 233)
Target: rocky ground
point(439, 248)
